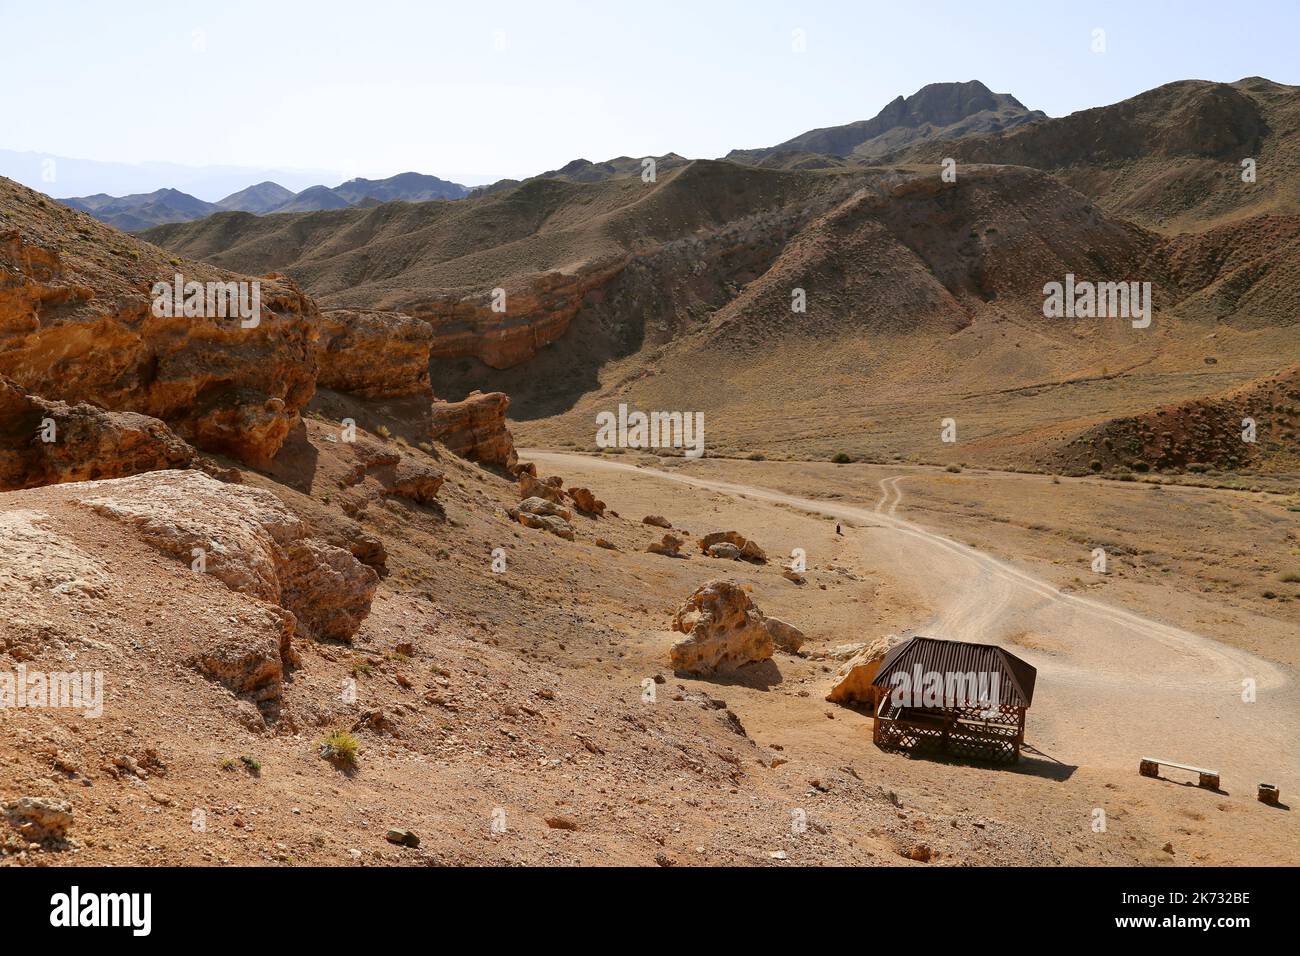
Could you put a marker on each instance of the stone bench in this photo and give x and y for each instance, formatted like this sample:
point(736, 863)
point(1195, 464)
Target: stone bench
point(1150, 767)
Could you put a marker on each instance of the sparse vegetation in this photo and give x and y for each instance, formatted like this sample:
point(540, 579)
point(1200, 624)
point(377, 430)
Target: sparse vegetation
point(341, 747)
point(842, 458)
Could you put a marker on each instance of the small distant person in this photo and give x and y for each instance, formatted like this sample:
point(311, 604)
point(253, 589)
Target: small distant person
point(838, 529)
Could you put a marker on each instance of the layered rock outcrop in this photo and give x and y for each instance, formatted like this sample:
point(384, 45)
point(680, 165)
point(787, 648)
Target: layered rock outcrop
point(247, 539)
point(538, 311)
point(374, 354)
point(77, 324)
point(475, 428)
point(45, 443)
point(398, 472)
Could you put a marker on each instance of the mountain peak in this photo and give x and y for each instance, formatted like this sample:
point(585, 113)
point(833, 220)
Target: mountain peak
point(935, 111)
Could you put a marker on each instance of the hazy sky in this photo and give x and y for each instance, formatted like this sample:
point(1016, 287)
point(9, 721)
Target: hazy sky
point(478, 90)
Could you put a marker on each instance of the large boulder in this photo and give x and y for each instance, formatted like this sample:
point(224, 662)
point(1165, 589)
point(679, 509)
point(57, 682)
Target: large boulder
point(670, 547)
point(85, 442)
point(544, 515)
point(77, 324)
point(475, 428)
point(417, 480)
point(585, 501)
point(853, 681)
point(397, 471)
point(744, 548)
point(374, 354)
point(723, 549)
point(550, 488)
point(542, 507)
point(786, 636)
point(724, 630)
point(555, 525)
point(248, 540)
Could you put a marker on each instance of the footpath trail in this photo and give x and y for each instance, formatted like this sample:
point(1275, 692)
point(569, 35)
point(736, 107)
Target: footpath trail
point(1113, 685)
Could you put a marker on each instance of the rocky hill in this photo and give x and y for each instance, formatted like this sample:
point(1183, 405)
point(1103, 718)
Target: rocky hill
point(1170, 158)
point(261, 198)
point(407, 187)
point(919, 293)
point(940, 111)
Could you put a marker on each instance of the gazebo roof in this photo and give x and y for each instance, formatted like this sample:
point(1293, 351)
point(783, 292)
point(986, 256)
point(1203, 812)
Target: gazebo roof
point(934, 655)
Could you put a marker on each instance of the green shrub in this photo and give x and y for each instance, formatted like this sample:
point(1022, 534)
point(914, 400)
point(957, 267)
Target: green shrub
point(340, 747)
point(842, 458)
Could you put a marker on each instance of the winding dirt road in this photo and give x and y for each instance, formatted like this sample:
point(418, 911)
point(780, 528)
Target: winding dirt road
point(1113, 684)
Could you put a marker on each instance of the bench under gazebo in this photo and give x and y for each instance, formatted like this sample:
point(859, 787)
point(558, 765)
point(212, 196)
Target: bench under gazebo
point(964, 699)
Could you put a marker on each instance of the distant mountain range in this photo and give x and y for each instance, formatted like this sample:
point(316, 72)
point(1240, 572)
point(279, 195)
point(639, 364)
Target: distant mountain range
point(67, 176)
point(141, 211)
point(144, 210)
point(940, 111)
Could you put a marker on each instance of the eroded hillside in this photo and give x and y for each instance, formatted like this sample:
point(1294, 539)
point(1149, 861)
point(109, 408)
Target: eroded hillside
point(895, 295)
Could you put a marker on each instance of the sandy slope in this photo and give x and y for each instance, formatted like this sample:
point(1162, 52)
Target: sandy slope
point(1114, 685)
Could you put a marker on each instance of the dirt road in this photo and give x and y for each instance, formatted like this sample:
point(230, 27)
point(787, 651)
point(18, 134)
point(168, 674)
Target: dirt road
point(1113, 684)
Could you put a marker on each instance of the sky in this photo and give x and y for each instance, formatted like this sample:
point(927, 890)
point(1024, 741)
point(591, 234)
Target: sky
point(477, 91)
